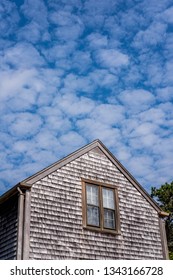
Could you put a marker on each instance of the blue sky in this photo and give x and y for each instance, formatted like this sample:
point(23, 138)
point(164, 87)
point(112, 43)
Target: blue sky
point(72, 71)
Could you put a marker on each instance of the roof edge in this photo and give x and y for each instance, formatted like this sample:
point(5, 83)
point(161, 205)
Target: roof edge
point(11, 192)
point(51, 168)
point(28, 182)
point(163, 214)
point(130, 178)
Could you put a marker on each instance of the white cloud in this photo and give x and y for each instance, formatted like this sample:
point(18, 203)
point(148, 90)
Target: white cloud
point(97, 40)
point(155, 115)
point(155, 72)
point(22, 55)
point(9, 18)
point(59, 51)
point(133, 76)
point(168, 46)
point(28, 88)
point(123, 153)
point(164, 150)
point(146, 128)
point(144, 140)
point(142, 137)
point(151, 9)
point(153, 35)
point(22, 146)
point(67, 33)
point(136, 100)
point(132, 20)
point(25, 125)
point(64, 18)
point(165, 93)
point(81, 61)
point(19, 79)
point(114, 29)
point(55, 121)
point(74, 83)
point(30, 32)
point(103, 78)
point(101, 7)
point(72, 105)
point(168, 77)
point(72, 140)
point(46, 139)
point(35, 10)
point(108, 114)
point(96, 129)
point(111, 58)
point(68, 26)
point(141, 164)
point(167, 15)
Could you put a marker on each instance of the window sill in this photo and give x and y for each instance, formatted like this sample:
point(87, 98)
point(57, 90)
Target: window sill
point(110, 231)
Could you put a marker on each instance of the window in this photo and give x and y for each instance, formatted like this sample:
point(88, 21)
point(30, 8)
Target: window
point(100, 206)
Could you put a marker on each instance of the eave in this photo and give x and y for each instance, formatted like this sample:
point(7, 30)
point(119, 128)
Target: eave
point(13, 191)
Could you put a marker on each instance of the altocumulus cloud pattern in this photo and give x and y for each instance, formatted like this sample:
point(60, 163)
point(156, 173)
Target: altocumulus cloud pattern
point(75, 70)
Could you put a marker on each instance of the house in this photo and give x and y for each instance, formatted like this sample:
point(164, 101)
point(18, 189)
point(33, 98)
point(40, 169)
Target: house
point(85, 206)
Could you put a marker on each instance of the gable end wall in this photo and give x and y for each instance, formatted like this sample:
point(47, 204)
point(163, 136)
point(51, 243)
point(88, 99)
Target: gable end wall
point(56, 230)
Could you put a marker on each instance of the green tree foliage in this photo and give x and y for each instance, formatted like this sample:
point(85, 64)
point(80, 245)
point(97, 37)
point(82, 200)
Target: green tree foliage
point(164, 197)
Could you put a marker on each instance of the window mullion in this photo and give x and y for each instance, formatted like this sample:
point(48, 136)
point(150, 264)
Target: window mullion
point(101, 208)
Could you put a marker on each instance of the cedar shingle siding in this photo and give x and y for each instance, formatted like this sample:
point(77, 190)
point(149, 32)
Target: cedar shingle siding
point(56, 216)
point(50, 216)
point(8, 229)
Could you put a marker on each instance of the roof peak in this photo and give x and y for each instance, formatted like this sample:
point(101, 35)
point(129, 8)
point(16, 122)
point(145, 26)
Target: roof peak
point(28, 182)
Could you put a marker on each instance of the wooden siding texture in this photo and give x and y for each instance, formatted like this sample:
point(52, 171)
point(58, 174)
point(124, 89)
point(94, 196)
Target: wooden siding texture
point(56, 230)
point(8, 229)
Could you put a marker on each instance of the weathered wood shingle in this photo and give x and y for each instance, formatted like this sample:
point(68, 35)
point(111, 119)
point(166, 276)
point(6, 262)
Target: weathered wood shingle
point(8, 229)
point(56, 229)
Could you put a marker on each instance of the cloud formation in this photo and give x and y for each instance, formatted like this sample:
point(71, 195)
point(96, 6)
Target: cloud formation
point(72, 71)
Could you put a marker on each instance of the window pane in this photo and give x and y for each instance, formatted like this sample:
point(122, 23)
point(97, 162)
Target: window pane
point(108, 198)
point(92, 194)
point(109, 218)
point(93, 216)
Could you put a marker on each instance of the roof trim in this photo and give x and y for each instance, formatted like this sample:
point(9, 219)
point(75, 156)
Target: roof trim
point(53, 167)
point(11, 192)
point(28, 182)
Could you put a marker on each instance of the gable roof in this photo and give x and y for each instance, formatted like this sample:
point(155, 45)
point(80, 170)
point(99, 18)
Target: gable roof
point(28, 182)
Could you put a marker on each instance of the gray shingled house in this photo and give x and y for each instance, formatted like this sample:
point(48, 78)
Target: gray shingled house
point(85, 206)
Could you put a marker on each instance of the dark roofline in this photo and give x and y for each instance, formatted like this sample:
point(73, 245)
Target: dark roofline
point(28, 182)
